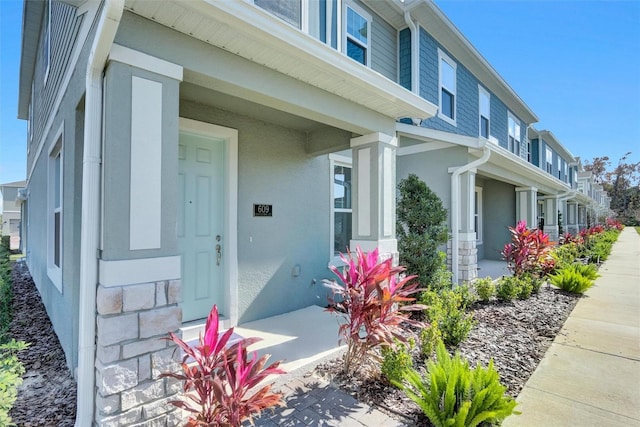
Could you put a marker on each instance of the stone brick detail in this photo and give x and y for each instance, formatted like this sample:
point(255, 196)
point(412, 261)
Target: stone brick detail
point(131, 355)
point(467, 260)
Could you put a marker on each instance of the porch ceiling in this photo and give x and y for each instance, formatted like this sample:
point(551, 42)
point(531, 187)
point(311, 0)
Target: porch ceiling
point(223, 101)
point(246, 30)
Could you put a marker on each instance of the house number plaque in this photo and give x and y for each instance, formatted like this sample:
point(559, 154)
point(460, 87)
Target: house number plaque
point(262, 210)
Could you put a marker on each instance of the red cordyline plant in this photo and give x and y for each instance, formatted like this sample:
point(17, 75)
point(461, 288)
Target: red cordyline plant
point(218, 379)
point(613, 224)
point(373, 300)
point(529, 251)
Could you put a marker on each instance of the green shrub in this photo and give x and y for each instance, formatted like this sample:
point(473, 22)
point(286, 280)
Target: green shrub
point(565, 254)
point(429, 339)
point(395, 360)
point(5, 294)
point(534, 281)
point(508, 288)
point(467, 297)
point(587, 270)
point(11, 371)
point(455, 395)
point(525, 288)
point(485, 288)
point(421, 228)
point(445, 309)
point(569, 279)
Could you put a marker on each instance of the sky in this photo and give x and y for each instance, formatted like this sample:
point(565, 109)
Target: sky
point(576, 64)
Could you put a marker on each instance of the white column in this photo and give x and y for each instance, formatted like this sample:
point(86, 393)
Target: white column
point(374, 195)
point(526, 205)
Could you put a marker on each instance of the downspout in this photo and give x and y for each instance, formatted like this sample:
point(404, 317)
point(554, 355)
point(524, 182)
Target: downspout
point(90, 216)
point(415, 52)
point(455, 208)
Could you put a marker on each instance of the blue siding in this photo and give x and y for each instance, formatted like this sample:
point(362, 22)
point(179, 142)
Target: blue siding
point(466, 90)
point(322, 12)
point(499, 122)
point(535, 152)
point(404, 61)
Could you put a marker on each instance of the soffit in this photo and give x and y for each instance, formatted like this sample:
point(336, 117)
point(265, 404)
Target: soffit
point(31, 20)
point(248, 31)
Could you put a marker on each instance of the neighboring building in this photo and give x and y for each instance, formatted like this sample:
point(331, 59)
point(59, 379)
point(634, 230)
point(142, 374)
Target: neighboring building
point(11, 202)
point(182, 154)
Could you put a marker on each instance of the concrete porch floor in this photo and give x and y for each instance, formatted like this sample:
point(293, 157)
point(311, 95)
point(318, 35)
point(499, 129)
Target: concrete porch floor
point(300, 338)
point(492, 268)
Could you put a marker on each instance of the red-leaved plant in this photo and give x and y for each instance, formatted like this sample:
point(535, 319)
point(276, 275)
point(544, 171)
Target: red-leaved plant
point(529, 251)
point(373, 299)
point(218, 378)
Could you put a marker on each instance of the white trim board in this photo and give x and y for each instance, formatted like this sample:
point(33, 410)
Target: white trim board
point(146, 62)
point(131, 271)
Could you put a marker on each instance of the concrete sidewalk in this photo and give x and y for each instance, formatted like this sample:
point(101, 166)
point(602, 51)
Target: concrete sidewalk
point(590, 376)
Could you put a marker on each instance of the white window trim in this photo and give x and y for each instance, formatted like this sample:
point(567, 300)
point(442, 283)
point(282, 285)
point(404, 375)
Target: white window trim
point(517, 137)
point(56, 148)
point(478, 191)
point(47, 40)
point(304, 16)
point(548, 163)
point(335, 160)
point(444, 57)
point(483, 91)
point(343, 20)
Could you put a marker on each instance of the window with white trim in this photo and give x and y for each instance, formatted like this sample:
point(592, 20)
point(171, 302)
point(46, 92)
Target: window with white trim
point(484, 101)
point(549, 160)
point(559, 164)
point(356, 24)
point(54, 213)
point(341, 207)
point(477, 214)
point(290, 11)
point(447, 69)
point(528, 145)
point(514, 134)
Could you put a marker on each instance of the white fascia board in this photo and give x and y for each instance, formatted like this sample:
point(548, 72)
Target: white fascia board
point(517, 165)
point(550, 138)
point(313, 55)
point(429, 135)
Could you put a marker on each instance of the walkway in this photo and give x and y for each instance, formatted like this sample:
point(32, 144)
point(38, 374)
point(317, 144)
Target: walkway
point(590, 376)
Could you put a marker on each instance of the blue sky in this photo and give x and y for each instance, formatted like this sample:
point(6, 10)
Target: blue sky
point(575, 63)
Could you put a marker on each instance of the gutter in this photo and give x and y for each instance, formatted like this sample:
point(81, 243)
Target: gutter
point(455, 210)
point(90, 216)
point(415, 52)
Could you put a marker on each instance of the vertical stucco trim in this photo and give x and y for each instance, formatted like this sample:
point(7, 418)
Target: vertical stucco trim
point(364, 190)
point(145, 195)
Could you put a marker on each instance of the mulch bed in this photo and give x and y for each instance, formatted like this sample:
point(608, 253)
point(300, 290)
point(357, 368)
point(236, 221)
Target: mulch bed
point(515, 335)
point(47, 397)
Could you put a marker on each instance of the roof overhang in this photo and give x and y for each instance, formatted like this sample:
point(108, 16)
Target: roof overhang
point(551, 139)
point(252, 33)
point(434, 21)
point(427, 135)
point(32, 12)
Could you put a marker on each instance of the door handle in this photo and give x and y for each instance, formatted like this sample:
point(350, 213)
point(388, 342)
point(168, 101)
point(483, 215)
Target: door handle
point(218, 254)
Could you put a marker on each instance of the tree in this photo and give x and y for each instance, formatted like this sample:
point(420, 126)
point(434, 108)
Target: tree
point(421, 228)
point(621, 184)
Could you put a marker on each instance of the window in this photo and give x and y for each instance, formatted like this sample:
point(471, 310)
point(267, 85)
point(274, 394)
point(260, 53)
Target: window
point(477, 215)
point(54, 213)
point(342, 211)
point(549, 158)
point(514, 134)
point(559, 164)
point(529, 151)
point(46, 43)
point(357, 30)
point(447, 74)
point(484, 101)
point(289, 11)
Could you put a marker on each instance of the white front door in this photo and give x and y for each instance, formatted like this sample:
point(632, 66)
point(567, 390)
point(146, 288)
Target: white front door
point(201, 225)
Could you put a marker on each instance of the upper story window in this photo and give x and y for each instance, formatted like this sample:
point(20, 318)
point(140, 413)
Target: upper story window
point(528, 151)
point(559, 165)
point(288, 10)
point(341, 206)
point(447, 75)
point(549, 160)
point(357, 33)
point(484, 101)
point(565, 177)
point(514, 134)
